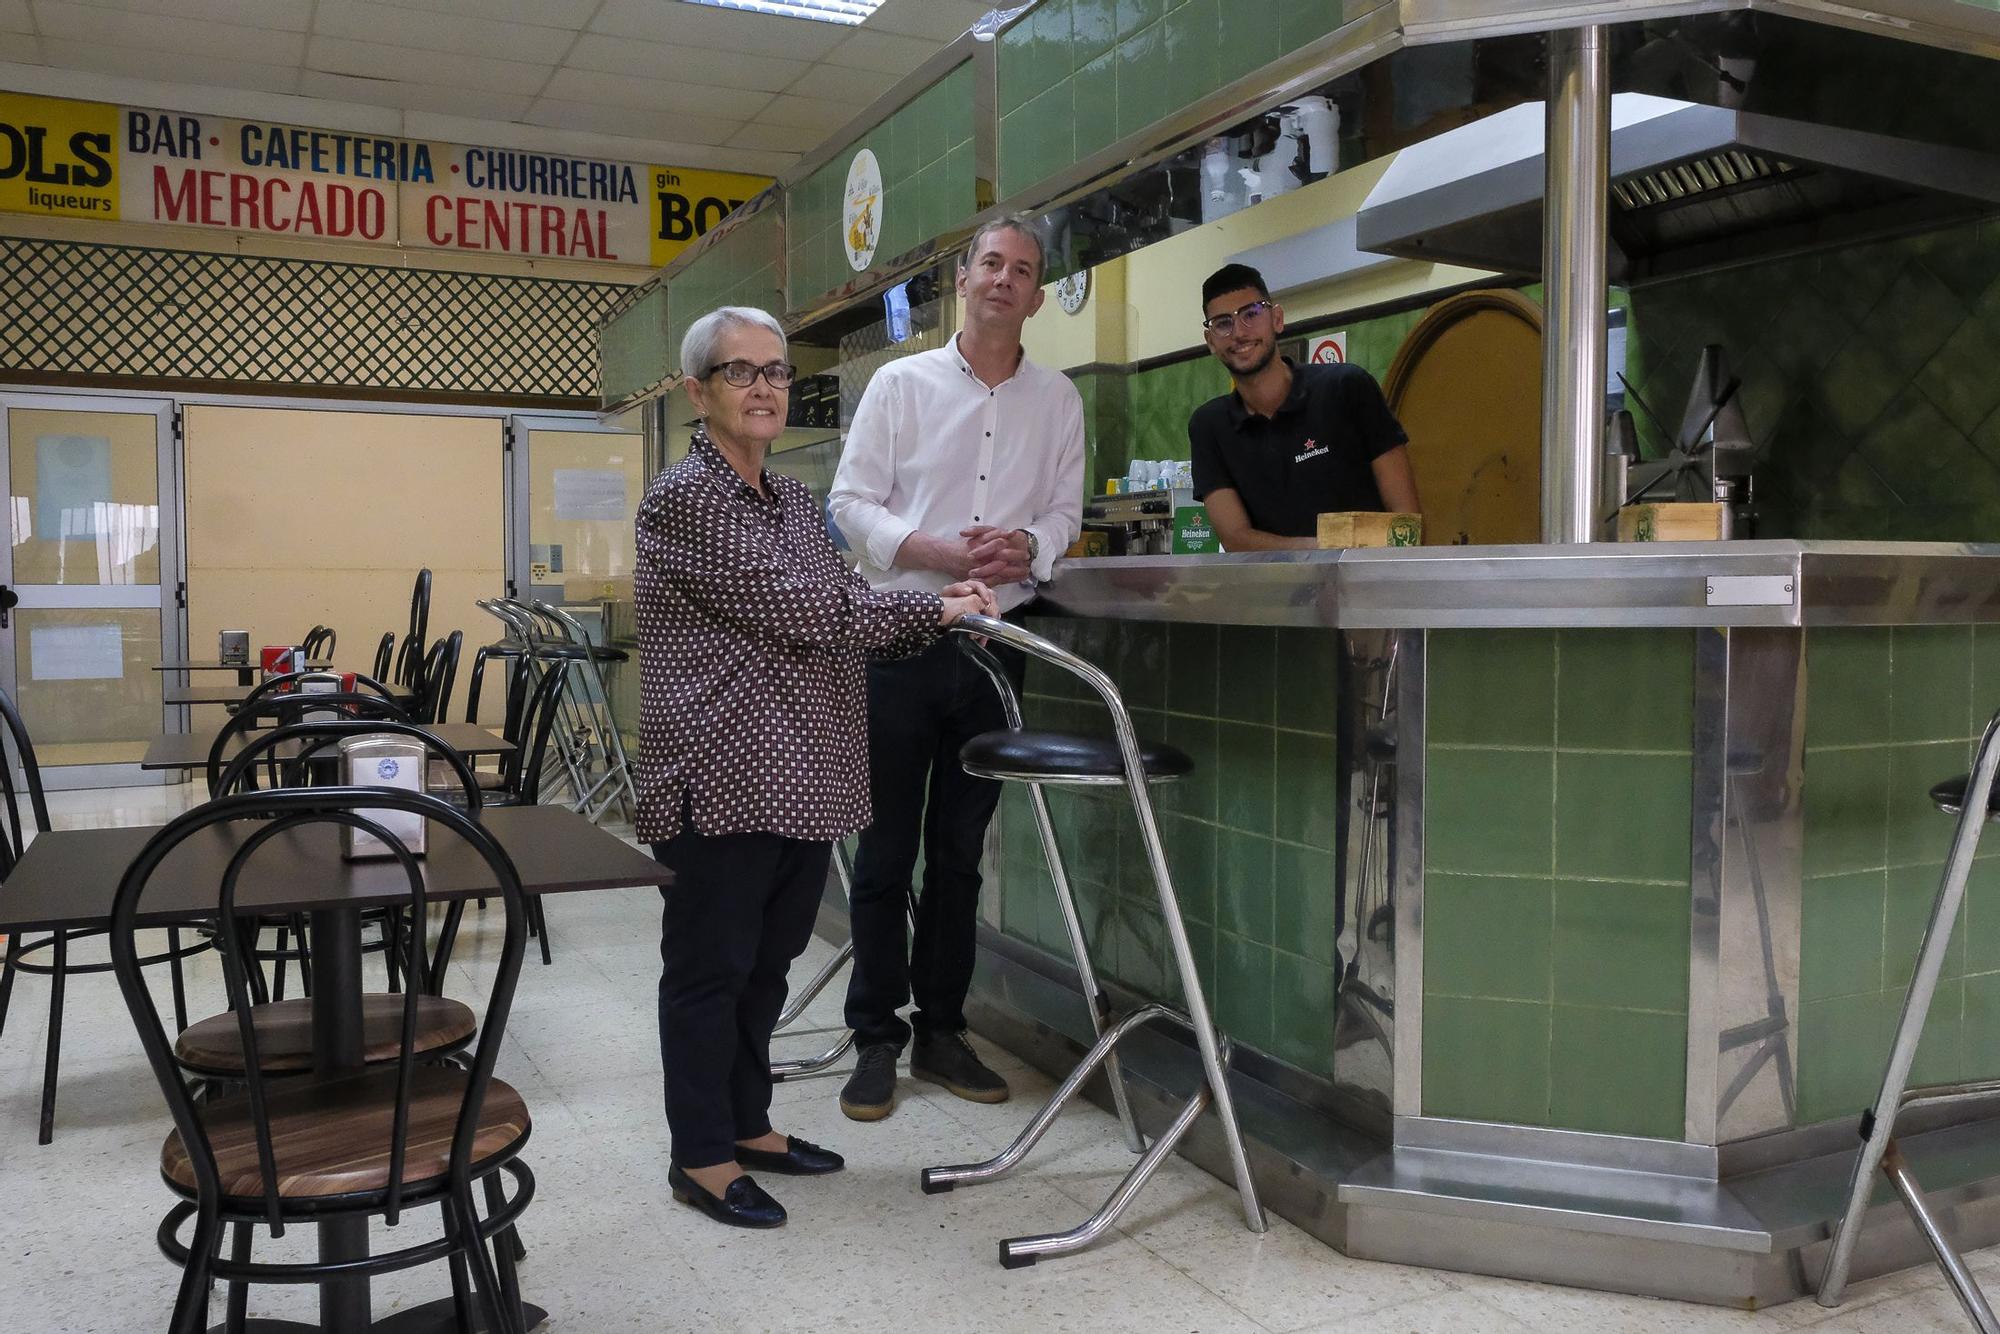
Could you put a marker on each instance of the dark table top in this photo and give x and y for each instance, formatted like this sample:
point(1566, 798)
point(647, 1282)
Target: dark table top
point(189, 750)
point(234, 694)
point(211, 665)
point(68, 878)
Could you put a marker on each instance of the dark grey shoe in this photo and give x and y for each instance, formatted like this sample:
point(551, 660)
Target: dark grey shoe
point(870, 1094)
point(948, 1059)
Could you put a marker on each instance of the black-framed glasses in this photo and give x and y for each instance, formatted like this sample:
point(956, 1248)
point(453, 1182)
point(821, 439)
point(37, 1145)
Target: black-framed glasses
point(1225, 324)
point(743, 374)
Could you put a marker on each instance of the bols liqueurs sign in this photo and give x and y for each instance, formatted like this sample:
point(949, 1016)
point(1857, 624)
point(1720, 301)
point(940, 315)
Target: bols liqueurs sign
point(58, 158)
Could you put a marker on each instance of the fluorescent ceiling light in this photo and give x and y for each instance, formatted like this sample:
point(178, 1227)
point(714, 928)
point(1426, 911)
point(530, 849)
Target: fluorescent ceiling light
point(826, 11)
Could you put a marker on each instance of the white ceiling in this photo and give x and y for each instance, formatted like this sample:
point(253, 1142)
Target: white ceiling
point(650, 80)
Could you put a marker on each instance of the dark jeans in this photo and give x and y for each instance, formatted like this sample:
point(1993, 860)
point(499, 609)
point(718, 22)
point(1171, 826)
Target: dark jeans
point(921, 710)
point(741, 908)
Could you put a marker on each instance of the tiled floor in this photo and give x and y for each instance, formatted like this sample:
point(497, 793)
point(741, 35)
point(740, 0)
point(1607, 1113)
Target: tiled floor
point(610, 1251)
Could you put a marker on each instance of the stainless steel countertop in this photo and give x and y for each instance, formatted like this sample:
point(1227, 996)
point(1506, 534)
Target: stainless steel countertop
point(1772, 583)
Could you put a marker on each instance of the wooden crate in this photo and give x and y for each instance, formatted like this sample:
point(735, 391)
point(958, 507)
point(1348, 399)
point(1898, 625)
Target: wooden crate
point(1672, 521)
point(1367, 528)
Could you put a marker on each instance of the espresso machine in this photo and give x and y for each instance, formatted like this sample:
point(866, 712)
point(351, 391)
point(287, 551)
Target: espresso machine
point(1134, 523)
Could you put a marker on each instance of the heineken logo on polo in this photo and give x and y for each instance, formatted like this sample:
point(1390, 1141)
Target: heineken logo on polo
point(861, 210)
point(1313, 449)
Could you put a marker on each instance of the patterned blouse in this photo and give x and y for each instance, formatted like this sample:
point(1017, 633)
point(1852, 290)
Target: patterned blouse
point(752, 638)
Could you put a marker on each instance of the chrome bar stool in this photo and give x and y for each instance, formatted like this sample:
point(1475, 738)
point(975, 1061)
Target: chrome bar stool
point(1971, 799)
point(1040, 758)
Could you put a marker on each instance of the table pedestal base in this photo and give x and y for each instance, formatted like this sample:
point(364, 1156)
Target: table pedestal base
point(435, 1317)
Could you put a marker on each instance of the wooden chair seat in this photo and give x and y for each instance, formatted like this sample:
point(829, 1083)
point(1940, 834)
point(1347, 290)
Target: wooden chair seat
point(331, 1137)
point(284, 1034)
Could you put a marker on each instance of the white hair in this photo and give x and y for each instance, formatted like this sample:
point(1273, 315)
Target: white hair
point(704, 336)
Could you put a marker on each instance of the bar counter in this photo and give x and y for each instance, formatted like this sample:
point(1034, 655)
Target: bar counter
point(1564, 896)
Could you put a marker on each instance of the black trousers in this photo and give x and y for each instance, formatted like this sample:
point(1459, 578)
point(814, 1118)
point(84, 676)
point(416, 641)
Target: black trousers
point(741, 908)
point(921, 710)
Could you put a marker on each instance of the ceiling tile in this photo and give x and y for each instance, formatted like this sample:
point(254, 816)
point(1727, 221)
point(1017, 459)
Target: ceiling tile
point(373, 60)
point(887, 52)
point(776, 138)
point(14, 17)
point(415, 96)
point(657, 60)
point(939, 20)
point(21, 48)
point(842, 83)
point(286, 15)
point(145, 63)
point(571, 85)
point(717, 29)
point(167, 34)
point(632, 121)
point(568, 15)
point(363, 20)
point(809, 113)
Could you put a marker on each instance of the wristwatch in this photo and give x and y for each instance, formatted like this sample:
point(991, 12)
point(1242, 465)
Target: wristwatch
point(1034, 545)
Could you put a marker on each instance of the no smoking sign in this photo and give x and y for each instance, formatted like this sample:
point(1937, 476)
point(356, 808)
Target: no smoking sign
point(1328, 349)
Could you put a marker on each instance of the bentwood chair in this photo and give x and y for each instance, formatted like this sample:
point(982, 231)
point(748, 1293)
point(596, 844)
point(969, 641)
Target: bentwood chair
point(285, 758)
point(1038, 759)
point(354, 1143)
point(410, 661)
point(440, 673)
point(49, 955)
point(385, 650)
point(319, 643)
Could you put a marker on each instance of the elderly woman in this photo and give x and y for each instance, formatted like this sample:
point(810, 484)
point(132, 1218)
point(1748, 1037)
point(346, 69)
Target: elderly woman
point(753, 752)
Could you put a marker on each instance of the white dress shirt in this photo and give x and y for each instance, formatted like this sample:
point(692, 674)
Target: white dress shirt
point(931, 448)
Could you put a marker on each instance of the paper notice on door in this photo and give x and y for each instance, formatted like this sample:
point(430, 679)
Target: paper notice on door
point(76, 652)
point(591, 493)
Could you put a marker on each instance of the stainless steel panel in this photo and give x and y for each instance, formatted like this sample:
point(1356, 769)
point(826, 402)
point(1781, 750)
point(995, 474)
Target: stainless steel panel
point(1707, 832)
point(1374, 748)
point(1561, 1148)
point(1408, 885)
point(1756, 998)
point(1575, 242)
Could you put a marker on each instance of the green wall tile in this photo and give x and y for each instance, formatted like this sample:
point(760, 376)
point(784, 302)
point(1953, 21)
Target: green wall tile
point(1603, 671)
point(1144, 95)
point(1621, 945)
point(1307, 796)
point(1912, 893)
point(1037, 139)
point(1979, 1031)
point(1985, 672)
point(1982, 917)
point(1847, 682)
point(1191, 669)
point(1305, 888)
point(1191, 32)
point(1033, 54)
point(1093, 29)
point(1300, 21)
point(1487, 936)
point(1302, 1012)
point(1623, 816)
point(1917, 831)
point(1308, 679)
point(1245, 792)
point(1618, 1072)
point(1932, 698)
point(1132, 15)
point(1488, 811)
point(1940, 1049)
point(1243, 888)
point(1486, 1060)
point(1843, 1044)
point(1242, 995)
point(1490, 687)
point(1190, 847)
point(1249, 37)
point(1195, 794)
point(1142, 665)
point(1247, 687)
point(1096, 85)
point(1840, 943)
point(1846, 811)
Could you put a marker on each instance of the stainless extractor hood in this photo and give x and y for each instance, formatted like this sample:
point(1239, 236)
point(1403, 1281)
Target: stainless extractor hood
point(1693, 188)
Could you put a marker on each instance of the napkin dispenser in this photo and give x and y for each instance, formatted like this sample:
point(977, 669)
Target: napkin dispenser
point(233, 647)
point(383, 761)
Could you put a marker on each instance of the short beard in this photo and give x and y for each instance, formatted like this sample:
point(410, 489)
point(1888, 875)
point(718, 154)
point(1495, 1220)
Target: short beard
point(1270, 355)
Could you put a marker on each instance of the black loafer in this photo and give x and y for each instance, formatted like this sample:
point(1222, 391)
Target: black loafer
point(744, 1204)
point(803, 1159)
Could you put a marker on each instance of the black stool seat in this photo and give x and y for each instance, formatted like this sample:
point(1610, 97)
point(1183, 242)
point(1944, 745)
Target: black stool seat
point(1949, 796)
point(1065, 757)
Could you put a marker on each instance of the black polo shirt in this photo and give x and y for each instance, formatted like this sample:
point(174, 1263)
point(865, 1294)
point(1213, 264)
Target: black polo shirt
point(1312, 457)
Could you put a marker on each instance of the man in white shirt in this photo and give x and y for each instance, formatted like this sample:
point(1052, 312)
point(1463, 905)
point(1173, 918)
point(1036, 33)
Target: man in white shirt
point(964, 462)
